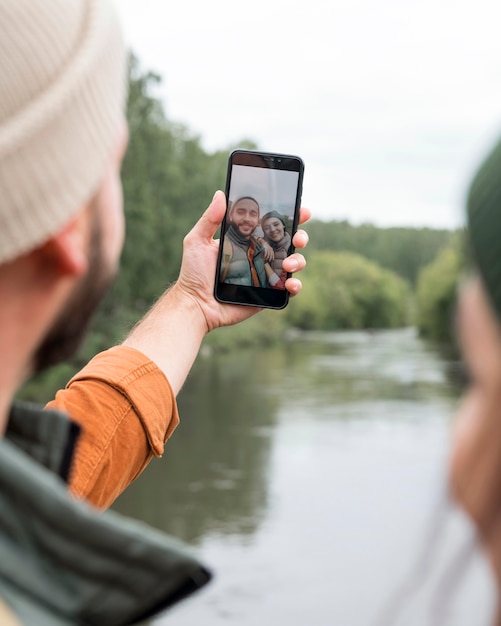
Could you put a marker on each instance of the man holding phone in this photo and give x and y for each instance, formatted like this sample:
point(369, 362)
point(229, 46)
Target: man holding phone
point(62, 140)
point(242, 262)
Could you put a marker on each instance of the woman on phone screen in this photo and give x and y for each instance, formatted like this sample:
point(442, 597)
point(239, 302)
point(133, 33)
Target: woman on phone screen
point(276, 235)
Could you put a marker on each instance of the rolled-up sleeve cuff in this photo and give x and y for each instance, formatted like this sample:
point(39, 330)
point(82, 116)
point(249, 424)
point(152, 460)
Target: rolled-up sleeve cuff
point(142, 384)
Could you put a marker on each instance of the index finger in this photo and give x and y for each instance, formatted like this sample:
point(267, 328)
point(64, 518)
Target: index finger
point(304, 215)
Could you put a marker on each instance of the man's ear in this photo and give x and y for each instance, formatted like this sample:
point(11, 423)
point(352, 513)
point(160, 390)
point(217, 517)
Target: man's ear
point(67, 250)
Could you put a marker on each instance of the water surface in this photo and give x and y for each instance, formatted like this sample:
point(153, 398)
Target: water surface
point(306, 476)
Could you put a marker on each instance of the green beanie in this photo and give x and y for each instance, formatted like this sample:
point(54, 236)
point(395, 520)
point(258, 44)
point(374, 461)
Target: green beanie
point(484, 225)
point(273, 214)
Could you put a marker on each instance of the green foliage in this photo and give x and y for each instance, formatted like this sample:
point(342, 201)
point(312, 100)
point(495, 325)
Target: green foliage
point(169, 179)
point(437, 291)
point(43, 387)
point(342, 290)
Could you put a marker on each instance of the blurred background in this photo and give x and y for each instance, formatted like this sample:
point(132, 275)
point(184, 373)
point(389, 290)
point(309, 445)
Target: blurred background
point(311, 457)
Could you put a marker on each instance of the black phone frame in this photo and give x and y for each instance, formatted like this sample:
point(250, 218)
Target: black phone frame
point(262, 297)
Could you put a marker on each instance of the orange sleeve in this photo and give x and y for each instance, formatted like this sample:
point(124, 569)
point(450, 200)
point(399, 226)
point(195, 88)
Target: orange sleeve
point(127, 411)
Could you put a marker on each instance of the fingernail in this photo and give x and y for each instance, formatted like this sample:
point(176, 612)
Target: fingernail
point(293, 265)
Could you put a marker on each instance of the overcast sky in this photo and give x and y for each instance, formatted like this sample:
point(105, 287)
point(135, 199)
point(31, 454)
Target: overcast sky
point(390, 104)
point(273, 189)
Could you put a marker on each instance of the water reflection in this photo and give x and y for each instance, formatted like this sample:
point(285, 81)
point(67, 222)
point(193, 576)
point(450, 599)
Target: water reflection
point(306, 474)
point(212, 478)
point(343, 368)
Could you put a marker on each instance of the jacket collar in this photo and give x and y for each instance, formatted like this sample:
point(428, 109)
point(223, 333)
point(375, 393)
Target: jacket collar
point(62, 563)
point(243, 241)
point(49, 439)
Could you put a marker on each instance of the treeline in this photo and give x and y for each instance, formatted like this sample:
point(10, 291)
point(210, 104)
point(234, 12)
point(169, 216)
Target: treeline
point(437, 291)
point(380, 278)
point(343, 290)
point(403, 250)
point(357, 276)
point(169, 179)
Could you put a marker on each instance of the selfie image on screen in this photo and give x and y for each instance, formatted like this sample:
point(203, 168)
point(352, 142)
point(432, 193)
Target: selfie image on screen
point(259, 222)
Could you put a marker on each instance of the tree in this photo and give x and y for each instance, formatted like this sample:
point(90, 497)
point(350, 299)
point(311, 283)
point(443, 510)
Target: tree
point(342, 290)
point(437, 293)
point(403, 250)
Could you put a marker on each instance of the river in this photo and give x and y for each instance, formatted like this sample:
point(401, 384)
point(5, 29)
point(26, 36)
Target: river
point(308, 476)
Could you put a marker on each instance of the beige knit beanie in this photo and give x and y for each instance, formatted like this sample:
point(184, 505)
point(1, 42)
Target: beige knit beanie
point(62, 93)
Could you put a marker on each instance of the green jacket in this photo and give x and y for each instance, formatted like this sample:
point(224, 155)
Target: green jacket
point(236, 270)
point(61, 561)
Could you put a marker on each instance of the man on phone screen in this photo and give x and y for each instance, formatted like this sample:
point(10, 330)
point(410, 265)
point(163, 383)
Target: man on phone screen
point(243, 256)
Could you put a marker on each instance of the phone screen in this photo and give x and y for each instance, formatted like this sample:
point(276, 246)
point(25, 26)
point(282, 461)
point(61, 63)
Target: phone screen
point(263, 192)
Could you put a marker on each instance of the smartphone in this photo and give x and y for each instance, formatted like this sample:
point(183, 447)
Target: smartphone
point(263, 194)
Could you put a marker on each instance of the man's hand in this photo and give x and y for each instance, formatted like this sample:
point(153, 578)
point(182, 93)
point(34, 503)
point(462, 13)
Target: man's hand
point(268, 252)
point(198, 269)
point(172, 331)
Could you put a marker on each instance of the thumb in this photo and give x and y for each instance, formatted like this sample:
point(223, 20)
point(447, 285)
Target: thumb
point(210, 221)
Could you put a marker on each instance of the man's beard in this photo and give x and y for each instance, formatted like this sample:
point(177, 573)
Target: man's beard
point(245, 235)
point(67, 333)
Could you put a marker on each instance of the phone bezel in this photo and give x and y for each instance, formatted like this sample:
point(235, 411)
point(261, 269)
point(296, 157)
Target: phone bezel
point(262, 297)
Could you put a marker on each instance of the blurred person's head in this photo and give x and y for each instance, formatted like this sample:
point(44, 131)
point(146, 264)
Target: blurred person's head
point(475, 473)
point(244, 215)
point(273, 225)
point(62, 140)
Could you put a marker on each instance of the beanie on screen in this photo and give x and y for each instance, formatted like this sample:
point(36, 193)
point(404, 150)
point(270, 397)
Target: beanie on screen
point(62, 94)
point(273, 214)
point(484, 225)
